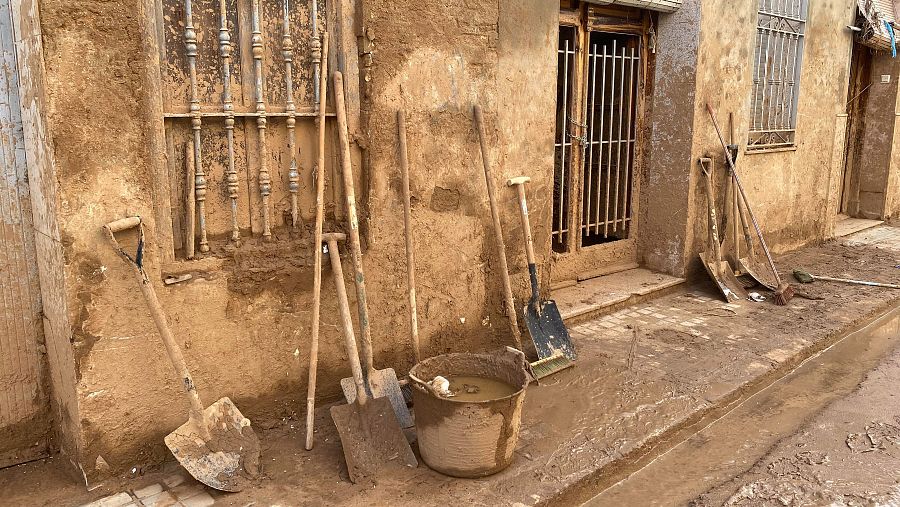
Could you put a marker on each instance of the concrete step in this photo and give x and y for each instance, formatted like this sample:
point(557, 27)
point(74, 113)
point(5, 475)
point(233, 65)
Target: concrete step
point(599, 296)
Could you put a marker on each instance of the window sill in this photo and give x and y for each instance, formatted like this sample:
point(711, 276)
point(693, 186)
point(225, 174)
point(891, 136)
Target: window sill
point(770, 150)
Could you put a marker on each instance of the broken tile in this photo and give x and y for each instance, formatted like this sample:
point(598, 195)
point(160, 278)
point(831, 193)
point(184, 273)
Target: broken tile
point(188, 490)
point(163, 499)
point(118, 500)
point(201, 500)
point(150, 490)
point(173, 480)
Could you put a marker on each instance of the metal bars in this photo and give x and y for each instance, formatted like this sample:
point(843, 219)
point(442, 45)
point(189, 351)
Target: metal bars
point(611, 111)
point(265, 180)
point(780, 31)
point(190, 45)
point(228, 107)
point(287, 53)
point(234, 71)
point(562, 171)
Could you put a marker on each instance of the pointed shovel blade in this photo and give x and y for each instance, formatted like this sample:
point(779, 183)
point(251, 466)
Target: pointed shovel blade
point(372, 439)
point(229, 460)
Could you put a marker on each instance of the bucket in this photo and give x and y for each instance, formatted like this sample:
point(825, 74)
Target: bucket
point(469, 438)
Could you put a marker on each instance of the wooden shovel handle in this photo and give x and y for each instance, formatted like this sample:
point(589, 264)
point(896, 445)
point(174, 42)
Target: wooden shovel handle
point(498, 229)
point(159, 318)
point(355, 244)
point(346, 320)
point(519, 183)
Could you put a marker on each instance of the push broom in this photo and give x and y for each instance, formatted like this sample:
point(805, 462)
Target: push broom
point(783, 292)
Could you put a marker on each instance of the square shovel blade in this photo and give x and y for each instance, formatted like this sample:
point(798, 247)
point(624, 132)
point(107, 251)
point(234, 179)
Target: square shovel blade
point(548, 331)
point(372, 439)
point(383, 384)
point(229, 460)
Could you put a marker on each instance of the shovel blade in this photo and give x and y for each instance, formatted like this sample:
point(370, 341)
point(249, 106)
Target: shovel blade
point(723, 277)
point(229, 460)
point(548, 331)
point(372, 439)
point(382, 384)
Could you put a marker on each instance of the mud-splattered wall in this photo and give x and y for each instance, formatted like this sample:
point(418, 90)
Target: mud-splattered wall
point(243, 319)
point(790, 190)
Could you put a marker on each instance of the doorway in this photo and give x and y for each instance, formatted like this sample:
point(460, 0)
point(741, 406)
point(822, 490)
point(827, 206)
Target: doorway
point(601, 73)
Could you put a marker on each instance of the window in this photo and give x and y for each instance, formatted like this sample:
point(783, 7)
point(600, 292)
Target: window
point(780, 29)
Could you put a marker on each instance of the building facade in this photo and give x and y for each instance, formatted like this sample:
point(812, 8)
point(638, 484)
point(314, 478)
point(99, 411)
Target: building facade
point(115, 108)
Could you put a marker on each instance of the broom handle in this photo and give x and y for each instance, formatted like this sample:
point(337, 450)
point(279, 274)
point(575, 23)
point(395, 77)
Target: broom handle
point(737, 181)
point(856, 282)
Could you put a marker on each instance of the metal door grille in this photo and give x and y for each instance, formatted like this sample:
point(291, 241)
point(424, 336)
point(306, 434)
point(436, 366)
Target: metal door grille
point(780, 30)
point(566, 66)
point(611, 103)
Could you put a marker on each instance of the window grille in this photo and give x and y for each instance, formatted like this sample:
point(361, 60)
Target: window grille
point(780, 31)
point(566, 65)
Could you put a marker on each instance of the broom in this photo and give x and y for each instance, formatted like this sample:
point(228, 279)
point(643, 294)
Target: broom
point(783, 292)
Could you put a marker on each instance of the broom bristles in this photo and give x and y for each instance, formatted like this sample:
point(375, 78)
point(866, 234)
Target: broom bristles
point(784, 294)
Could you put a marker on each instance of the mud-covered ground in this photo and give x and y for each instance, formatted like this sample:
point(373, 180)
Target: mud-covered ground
point(648, 377)
point(849, 454)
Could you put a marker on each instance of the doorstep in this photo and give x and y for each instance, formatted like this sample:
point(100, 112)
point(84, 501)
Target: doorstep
point(603, 295)
point(846, 226)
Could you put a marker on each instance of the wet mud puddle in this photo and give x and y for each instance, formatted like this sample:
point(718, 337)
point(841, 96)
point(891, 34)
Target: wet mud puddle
point(729, 444)
point(467, 388)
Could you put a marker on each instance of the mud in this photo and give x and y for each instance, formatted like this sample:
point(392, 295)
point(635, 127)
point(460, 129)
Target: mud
point(472, 388)
point(744, 436)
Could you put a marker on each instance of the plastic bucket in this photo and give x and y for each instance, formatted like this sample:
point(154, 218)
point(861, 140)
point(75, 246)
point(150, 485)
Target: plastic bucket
point(469, 438)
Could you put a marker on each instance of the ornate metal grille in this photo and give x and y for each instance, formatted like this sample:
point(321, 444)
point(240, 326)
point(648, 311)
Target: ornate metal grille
point(780, 31)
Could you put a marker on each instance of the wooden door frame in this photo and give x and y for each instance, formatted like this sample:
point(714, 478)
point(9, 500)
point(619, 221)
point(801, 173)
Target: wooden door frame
point(582, 262)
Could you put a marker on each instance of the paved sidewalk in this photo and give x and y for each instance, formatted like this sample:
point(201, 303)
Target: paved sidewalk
point(644, 373)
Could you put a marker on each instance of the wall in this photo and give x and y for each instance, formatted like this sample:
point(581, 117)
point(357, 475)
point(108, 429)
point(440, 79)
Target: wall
point(243, 320)
point(789, 190)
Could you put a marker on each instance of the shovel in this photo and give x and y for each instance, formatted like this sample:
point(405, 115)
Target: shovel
point(545, 324)
point(369, 430)
point(719, 270)
point(379, 383)
point(217, 445)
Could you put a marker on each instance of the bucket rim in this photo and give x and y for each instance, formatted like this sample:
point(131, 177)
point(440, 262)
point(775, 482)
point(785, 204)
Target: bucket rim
point(424, 387)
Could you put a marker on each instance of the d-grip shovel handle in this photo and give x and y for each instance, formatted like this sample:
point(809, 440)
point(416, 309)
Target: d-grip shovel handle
point(519, 182)
point(159, 318)
point(346, 319)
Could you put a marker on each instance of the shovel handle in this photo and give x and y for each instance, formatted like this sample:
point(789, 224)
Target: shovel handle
point(353, 222)
point(159, 318)
point(519, 183)
point(346, 320)
point(498, 228)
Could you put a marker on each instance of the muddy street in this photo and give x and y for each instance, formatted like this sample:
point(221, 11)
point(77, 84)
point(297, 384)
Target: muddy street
point(828, 433)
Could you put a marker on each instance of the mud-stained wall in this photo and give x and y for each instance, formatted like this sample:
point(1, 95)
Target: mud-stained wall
point(789, 190)
point(243, 320)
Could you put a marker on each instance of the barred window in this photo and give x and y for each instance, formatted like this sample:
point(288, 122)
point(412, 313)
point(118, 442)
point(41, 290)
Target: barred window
point(780, 29)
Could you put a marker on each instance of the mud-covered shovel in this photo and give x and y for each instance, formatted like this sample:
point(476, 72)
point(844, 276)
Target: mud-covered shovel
point(545, 324)
point(217, 445)
point(368, 427)
point(719, 270)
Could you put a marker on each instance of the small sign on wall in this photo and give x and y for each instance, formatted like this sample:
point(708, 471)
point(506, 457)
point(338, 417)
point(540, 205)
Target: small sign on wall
point(885, 78)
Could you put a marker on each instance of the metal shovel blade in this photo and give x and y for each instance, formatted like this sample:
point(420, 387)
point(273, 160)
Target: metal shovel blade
point(724, 278)
point(229, 460)
point(372, 439)
point(548, 331)
point(382, 384)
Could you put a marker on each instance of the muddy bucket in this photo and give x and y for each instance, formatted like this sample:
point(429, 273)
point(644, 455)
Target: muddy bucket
point(472, 434)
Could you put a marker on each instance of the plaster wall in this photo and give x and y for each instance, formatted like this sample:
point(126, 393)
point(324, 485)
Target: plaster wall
point(789, 190)
point(243, 320)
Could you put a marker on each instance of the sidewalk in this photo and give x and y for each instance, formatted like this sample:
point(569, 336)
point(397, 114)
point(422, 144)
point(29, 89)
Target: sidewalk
point(645, 373)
